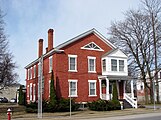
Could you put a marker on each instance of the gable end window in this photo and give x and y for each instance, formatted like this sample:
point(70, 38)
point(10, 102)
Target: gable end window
point(92, 46)
point(91, 64)
point(72, 59)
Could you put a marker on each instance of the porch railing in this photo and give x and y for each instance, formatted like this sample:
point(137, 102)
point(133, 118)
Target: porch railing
point(131, 100)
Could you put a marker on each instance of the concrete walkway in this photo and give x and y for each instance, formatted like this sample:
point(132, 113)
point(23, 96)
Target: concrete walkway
point(79, 115)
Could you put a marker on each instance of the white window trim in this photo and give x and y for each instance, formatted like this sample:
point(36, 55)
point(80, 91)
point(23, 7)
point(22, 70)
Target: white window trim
point(94, 58)
point(38, 69)
point(28, 74)
point(31, 92)
point(34, 92)
point(31, 73)
point(121, 66)
point(76, 88)
point(28, 91)
point(34, 71)
point(51, 57)
point(92, 81)
point(116, 66)
point(49, 87)
point(73, 56)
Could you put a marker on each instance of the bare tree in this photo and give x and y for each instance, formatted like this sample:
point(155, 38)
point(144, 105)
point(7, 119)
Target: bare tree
point(134, 36)
point(7, 66)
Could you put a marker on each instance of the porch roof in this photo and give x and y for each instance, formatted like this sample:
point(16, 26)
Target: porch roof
point(114, 77)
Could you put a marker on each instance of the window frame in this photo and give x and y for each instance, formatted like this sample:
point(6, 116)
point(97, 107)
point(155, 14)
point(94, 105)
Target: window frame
point(50, 64)
point(112, 65)
point(34, 92)
point(30, 91)
point(121, 66)
point(49, 87)
point(89, 69)
point(76, 88)
point(34, 71)
point(69, 63)
point(89, 85)
point(104, 65)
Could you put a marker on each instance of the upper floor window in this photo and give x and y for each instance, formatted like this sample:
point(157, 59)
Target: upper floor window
point(72, 88)
point(121, 65)
point(30, 73)
point(34, 71)
point(50, 63)
point(92, 46)
point(113, 65)
point(91, 64)
point(104, 64)
point(72, 59)
point(39, 69)
point(92, 87)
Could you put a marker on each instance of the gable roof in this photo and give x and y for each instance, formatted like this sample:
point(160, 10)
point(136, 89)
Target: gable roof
point(112, 51)
point(94, 31)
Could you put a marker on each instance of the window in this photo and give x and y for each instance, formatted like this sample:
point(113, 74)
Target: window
point(121, 65)
point(91, 64)
point(72, 88)
point(28, 74)
point(31, 73)
point(30, 91)
point(113, 65)
point(92, 46)
point(92, 87)
point(72, 63)
point(50, 64)
point(49, 87)
point(34, 71)
point(104, 65)
point(34, 92)
point(38, 69)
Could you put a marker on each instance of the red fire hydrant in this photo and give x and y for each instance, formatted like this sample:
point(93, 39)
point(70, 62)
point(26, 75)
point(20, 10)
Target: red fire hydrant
point(9, 113)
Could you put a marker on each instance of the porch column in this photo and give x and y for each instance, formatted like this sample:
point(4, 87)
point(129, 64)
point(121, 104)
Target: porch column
point(132, 89)
point(107, 89)
point(100, 88)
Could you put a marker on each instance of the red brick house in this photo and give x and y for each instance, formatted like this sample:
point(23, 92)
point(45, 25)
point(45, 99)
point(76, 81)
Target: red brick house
point(84, 68)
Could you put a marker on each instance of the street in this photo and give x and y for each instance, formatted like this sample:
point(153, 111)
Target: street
point(149, 116)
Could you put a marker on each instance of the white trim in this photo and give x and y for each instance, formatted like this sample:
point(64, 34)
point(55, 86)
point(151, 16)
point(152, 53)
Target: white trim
point(50, 67)
point(100, 49)
point(75, 57)
point(76, 92)
point(92, 81)
point(31, 92)
point(31, 73)
point(93, 58)
point(34, 71)
point(49, 87)
point(28, 91)
point(28, 74)
point(34, 92)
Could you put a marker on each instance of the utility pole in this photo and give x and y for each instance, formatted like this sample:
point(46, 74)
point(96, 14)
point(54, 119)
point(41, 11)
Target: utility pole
point(40, 72)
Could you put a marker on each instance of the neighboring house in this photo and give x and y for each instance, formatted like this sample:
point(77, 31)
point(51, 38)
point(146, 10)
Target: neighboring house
point(84, 67)
point(10, 91)
point(140, 87)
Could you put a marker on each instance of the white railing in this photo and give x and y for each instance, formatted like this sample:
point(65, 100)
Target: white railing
point(130, 100)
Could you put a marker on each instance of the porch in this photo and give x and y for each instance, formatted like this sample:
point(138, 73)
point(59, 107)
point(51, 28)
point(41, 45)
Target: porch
point(106, 87)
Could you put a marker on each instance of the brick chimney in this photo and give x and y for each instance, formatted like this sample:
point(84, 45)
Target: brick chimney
point(50, 39)
point(40, 47)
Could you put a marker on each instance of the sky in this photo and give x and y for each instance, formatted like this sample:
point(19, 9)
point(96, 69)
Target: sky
point(29, 20)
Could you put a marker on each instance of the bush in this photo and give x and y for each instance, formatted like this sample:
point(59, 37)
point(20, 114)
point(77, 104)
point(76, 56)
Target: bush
point(104, 105)
point(64, 105)
point(32, 107)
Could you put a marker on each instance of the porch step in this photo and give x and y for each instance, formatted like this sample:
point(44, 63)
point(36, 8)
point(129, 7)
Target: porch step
point(126, 104)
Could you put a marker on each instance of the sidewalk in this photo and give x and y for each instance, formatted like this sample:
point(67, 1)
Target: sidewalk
point(87, 114)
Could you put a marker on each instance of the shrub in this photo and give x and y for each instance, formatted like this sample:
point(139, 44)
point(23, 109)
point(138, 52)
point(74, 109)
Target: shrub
point(64, 105)
point(32, 107)
point(104, 105)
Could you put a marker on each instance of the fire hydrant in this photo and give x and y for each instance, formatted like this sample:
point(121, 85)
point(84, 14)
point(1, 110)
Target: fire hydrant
point(9, 113)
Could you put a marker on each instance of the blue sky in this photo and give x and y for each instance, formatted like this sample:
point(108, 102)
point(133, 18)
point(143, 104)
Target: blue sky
point(28, 20)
